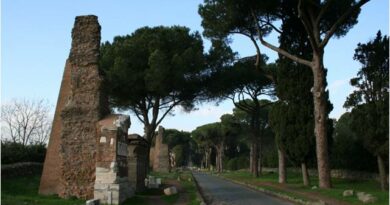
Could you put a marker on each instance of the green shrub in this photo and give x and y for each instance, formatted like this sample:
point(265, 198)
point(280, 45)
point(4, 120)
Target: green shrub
point(238, 163)
point(243, 162)
point(15, 152)
point(232, 164)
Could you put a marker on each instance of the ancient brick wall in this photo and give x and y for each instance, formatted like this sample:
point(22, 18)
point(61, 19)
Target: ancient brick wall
point(51, 172)
point(161, 153)
point(69, 168)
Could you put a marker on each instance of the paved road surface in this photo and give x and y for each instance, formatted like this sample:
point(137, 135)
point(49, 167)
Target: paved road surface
point(220, 191)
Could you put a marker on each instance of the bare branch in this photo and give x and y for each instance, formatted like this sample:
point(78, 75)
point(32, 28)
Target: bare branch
point(276, 49)
point(341, 20)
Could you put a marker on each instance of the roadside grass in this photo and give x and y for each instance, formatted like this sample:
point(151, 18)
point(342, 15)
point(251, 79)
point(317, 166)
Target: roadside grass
point(24, 191)
point(294, 181)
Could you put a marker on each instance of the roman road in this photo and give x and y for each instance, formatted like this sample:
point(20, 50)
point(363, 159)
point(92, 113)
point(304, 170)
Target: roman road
point(218, 191)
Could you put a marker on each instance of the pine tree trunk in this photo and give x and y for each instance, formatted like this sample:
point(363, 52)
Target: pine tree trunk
point(148, 132)
point(382, 173)
point(260, 161)
point(254, 161)
point(282, 167)
point(216, 161)
point(251, 159)
point(305, 174)
point(320, 123)
point(221, 157)
point(209, 158)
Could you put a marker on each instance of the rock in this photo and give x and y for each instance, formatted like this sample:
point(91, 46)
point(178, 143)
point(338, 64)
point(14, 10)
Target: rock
point(189, 179)
point(158, 181)
point(93, 202)
point(366, 198)
point(320, 202)
point(170, 191)
point(178, 178)
point(348, 192)
point(314, 187)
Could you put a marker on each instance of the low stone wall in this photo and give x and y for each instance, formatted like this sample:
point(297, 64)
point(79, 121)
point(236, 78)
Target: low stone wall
point(335, 173)
point(21, 169)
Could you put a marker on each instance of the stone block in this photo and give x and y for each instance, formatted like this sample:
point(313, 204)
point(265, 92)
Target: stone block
point(366, 198)
point(170, 191)
point(158, 181)
point(348, 192)
point(93, 202)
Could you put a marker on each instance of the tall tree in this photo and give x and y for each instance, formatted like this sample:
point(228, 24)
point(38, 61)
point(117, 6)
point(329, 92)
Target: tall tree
point(322, 20)
point(152, 71)
point(370, 100)
point(292, 117)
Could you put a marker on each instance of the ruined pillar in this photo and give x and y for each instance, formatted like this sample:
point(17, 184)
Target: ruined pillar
point(112, 183)
point(69, 168)
point(161, 153)
point(137, 153)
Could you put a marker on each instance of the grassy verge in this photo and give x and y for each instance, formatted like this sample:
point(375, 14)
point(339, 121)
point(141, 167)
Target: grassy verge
point(24, 191)
point(186, 181)
point(295, 182)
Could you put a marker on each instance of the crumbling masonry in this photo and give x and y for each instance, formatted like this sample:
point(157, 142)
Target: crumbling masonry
point(69, 168)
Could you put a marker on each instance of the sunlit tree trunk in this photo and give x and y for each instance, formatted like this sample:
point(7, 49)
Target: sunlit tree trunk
point(382, 173)
point(282, 166)
point(305, 174)
point(321, 118)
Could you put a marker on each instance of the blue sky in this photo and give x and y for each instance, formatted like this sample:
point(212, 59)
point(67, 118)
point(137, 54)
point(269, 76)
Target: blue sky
point(35, 42)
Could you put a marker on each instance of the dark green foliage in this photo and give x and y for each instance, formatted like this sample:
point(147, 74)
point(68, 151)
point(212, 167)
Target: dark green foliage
point(348, 151)
point(370, 101)
point(181, 143)
point(16, 152)
point(237, 163)
point(152, 71)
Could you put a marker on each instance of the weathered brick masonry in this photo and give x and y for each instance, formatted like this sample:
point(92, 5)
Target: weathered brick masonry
point(69, 168)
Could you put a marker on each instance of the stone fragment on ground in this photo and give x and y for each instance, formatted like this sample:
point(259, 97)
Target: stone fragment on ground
point(366, 198)
point(320, 202)
point(170, 191)
point(348, 192)
point(314, 187)
point(93, 202)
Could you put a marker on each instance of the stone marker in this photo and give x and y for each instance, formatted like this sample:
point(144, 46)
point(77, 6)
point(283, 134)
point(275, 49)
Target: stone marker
point(112, 184)
point(366, 198)
point(92, 202)
point(170, 191)
point(160, 153)
point(348, 192)
point(69, 168)
point(152, 183)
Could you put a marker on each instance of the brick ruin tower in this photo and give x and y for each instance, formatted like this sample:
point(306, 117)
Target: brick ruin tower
point(70, 164)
